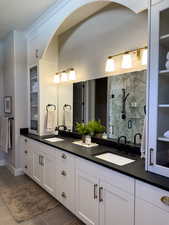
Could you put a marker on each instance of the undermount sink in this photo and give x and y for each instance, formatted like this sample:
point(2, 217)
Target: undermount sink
point(115, 159)
point(54, 139)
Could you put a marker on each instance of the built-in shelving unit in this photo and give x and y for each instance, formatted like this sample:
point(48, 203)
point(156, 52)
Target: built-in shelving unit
point(34, 87)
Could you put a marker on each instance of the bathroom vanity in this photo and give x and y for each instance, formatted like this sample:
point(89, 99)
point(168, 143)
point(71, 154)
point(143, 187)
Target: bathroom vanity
point(95, 190)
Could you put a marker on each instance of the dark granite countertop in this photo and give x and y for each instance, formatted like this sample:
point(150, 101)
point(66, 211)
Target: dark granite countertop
point(135, 169)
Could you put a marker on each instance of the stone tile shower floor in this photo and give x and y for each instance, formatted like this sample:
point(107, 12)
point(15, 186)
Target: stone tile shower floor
point(56, 216)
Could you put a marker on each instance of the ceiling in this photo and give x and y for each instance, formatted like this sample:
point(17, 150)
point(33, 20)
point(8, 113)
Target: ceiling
point(19, 14)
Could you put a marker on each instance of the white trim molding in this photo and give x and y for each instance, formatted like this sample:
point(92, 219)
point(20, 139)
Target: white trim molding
point(14, 171)
point(3, 162)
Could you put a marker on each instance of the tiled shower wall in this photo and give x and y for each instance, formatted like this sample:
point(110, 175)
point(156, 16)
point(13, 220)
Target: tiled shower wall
point(135, 84)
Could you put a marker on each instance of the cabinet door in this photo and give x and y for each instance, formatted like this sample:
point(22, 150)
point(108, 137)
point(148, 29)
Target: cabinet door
point(116, 206)
point(49, 170)
point(148, 214)
point(37, 167)
point(87, 204)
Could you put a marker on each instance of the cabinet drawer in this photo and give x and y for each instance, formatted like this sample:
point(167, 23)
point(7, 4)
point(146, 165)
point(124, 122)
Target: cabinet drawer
point(152, 194)
point(65, 188)
point(65, 159)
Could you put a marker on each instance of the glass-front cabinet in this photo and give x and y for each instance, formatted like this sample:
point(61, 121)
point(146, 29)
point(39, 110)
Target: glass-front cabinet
point(158, 112)
point(34, 96)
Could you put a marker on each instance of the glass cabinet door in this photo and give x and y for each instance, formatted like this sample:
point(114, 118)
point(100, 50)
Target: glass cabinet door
point(158, 143)
point(34, 87)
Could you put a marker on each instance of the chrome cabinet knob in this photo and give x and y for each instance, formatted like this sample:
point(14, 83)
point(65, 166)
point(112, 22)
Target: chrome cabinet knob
point(64, 156)
point(63, 173)
point(63, 195)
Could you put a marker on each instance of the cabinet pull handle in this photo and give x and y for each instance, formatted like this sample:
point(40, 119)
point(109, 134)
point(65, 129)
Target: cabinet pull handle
point(63, 195)
point(63, 173)
point(165, 200)
point(95, 191)
point(151, 150)
point(64, 156)
point(42, 160)
point(26, 167)
point(26, 152)
point(101, 194)
point(26, 140)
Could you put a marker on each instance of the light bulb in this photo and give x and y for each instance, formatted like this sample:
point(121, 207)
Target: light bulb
point(56, 79)
point(72, 74)
point(144, 58)
point(126, 61)
point(110, 64)
point(64, 76)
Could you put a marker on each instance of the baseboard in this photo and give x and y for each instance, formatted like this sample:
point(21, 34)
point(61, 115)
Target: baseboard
point(14, 171)
point(3, 162)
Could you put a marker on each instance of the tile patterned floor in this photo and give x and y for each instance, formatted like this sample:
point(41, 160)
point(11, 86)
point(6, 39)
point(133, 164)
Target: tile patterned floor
point(63, 216)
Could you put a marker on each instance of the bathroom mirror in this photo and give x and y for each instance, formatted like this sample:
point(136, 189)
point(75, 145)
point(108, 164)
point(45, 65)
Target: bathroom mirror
point(117, 101)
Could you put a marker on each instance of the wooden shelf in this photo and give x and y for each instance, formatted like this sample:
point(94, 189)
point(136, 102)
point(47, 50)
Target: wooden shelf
point(163, 105)
point(163, 139)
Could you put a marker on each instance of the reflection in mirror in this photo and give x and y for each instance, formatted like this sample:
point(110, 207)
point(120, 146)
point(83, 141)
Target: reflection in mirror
point(117, 101)
point(126, 105)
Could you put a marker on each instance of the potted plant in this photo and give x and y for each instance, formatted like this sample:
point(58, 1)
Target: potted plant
point(84, 130)
point(96, 128)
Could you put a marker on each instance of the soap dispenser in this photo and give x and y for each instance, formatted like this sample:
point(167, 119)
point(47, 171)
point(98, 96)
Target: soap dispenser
point(56, 132)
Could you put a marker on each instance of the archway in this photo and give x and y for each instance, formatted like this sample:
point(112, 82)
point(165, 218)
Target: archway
point(72, 7)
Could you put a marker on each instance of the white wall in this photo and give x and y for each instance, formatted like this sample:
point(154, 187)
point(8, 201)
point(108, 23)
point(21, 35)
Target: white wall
point(2, 155)
point(9, 71)
point(15, 85)
point(20, 90)
point(87, 46)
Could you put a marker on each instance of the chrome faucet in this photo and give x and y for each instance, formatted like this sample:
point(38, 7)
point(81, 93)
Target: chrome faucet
point(135, 138)
point(124, 137)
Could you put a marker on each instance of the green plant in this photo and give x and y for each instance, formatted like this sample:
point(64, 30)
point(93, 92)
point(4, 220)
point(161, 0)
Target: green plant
point(96, 127)
point(83, 129)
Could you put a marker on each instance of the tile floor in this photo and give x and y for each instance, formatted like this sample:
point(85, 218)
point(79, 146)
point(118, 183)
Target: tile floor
point(48, 218)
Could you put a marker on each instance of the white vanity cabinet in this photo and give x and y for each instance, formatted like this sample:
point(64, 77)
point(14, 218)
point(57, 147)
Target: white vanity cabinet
point(65, 179)
point(103, 195)
point(40, 163)
point(151, 205)
point(27, 154)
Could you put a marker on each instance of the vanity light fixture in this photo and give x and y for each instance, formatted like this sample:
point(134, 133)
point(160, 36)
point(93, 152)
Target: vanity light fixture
point(56, 78)
point(126, 61)
point(110, 64)
point(144, 58)
point(64, 76)
point(72, 74)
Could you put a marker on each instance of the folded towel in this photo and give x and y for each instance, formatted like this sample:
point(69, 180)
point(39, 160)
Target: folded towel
point(5, 134)
point(67, 120)
point(166, 134)
point(143, 141)
point(50, 121)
